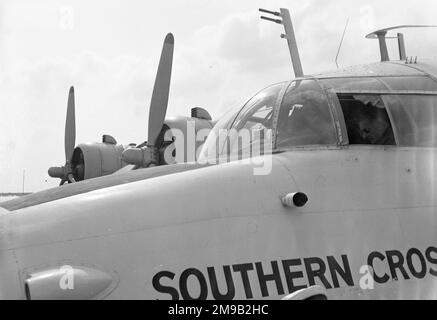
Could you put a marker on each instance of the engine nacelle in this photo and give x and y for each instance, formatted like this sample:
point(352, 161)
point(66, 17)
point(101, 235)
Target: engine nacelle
point(186, 128)
point(179, 141)
point(91, 160)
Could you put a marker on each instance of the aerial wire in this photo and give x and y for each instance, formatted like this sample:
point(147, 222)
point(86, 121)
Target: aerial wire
point(341, 42)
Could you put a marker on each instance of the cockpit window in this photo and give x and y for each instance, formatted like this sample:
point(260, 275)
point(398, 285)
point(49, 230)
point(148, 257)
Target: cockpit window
point(353, 84)
point(249, 131)
point(415, 119)
point(366, 119)
point(413, 83)
point(255, 121)
point(305, 117)
point(258, 110)
point(213, 145)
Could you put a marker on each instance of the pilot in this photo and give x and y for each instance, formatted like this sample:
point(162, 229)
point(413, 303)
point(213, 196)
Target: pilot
point(373, 127)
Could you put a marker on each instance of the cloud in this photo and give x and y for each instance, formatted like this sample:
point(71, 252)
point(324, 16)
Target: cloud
point(217, 67)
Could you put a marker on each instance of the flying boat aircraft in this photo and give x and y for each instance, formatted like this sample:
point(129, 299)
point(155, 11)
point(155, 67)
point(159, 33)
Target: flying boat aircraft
point(343, 207)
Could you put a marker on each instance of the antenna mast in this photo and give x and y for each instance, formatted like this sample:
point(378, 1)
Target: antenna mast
point(289, 35)
point(341, 42)
point(381, 35)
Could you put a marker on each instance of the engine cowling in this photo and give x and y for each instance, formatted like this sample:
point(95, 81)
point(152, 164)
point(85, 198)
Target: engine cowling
point(91, 160)
point(183, 125)
point(179, 141)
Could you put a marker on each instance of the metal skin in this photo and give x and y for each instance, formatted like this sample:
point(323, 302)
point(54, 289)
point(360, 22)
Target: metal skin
point(171, 231)
point(171, 128)
point(181, 124)
point(70, 126)
point(87, 283)
point(65, 173)
point(100, 159)
point(178, 235)
point(161, 89)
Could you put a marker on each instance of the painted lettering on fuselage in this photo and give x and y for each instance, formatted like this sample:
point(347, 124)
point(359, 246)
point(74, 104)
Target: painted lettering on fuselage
point(281, 277)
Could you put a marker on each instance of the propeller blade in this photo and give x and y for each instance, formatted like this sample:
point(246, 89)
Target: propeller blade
point(70, 127)
point(158, 104)
point(70, 178)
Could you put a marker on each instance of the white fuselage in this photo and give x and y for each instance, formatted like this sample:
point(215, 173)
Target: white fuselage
point(222, 232)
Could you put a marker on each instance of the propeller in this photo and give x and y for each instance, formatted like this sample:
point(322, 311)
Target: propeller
point(65, 173)
point(147, 154)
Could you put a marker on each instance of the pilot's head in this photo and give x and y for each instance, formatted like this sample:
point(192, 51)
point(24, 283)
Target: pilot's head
point(373, 125)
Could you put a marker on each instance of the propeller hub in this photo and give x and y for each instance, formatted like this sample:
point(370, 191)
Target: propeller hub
point(56, 172)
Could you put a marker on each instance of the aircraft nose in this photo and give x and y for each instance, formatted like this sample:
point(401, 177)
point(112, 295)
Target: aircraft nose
point(9, 279)
point(9, 282)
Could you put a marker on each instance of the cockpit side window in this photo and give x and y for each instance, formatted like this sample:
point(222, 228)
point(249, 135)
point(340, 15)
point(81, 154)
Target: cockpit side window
point(259, 116)
point(415, 119)
point(247, 132)
point(305, 117)
point(256, 120)
point(367, 120)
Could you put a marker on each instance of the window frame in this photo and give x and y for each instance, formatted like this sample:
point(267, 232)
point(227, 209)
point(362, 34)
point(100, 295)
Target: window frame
point(275, 112)
point(333, 92)
point(392, 123)
point(411, 119)
point(333, 111)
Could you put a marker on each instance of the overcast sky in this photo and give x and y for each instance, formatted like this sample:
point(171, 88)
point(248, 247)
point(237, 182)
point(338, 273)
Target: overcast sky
point(109, 50)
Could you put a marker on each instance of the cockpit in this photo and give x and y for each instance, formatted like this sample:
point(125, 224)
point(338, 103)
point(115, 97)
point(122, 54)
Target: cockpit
point(388, 111)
